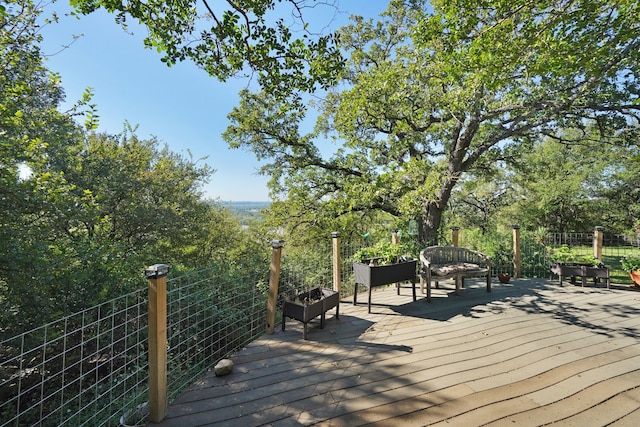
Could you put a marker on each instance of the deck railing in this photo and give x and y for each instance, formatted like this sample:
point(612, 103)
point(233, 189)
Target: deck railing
point(83, 369)
point(92, 367)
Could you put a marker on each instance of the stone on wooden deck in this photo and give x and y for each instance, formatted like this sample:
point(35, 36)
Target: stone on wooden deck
point(224, 367)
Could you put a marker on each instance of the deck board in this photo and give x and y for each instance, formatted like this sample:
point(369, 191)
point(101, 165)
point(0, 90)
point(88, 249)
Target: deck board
point(529, 353)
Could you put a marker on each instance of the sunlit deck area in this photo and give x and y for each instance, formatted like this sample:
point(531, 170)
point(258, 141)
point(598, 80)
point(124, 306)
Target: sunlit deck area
point(530, 353)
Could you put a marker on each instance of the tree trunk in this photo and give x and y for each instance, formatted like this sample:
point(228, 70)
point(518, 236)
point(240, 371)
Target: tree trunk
point(432, 210)
point(429, 223)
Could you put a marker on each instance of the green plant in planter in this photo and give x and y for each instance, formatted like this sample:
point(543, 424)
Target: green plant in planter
point(565, 255)
point(381, 253)
point(630, 263)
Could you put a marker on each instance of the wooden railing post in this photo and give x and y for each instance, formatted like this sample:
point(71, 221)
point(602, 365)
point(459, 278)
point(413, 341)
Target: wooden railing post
point(337, 283)
point(158, 403)
point(517, 258)
point(274, 279)
point(455, 231)
point(598, 238)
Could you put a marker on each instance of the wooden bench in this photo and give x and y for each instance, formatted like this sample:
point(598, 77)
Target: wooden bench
point(451, 262)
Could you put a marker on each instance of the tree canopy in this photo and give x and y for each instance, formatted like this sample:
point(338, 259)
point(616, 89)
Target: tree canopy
point(267, 37)
point(82, 213)
point(434, 91)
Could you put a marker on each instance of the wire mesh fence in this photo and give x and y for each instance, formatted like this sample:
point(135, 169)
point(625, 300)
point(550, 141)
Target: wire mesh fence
point(536, 250)
point(208, 320)
point(91, 368)
point(83, 369)
point(307, 269)
point(614, 248)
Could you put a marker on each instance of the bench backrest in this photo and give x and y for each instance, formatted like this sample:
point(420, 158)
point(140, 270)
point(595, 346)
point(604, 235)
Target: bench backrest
point(442, 255)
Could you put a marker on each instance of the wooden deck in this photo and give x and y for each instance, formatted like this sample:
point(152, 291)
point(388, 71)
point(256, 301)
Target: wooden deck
point(530, 353)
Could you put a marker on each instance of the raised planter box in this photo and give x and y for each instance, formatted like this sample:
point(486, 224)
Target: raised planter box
point(583, 271)
point(309, 305)
point(379, 275)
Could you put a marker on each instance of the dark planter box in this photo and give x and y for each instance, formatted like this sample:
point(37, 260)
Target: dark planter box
point(379, 275)
point(583, 271)
point(322, 300)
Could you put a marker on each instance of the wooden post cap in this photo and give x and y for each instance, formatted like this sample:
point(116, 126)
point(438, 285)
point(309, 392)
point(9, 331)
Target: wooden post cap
point(156, 271)
point(275, 244)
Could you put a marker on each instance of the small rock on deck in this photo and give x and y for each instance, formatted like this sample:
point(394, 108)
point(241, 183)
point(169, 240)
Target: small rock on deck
point(530, 353)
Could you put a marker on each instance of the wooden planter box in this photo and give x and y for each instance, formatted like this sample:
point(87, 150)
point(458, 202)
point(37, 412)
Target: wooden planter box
point(320, 301)
point(379, 275)
point(582, 271)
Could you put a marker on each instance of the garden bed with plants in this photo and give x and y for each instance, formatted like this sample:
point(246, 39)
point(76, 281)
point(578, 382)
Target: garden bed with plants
point(383, 264)
point(567, 263)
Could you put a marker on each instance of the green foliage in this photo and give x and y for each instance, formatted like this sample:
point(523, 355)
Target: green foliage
point(93, 209)
point(481, 198)
point(566, 255)
point(621, 194)
point(431, 95)
point(630, 263)
point(563, 182)
point(229, 38)
point(381, 253)
point(497, 245)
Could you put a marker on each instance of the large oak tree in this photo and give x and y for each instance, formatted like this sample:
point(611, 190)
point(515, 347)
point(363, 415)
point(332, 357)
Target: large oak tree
point(433, 91)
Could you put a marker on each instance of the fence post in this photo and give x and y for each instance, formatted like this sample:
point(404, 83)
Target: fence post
point(274, 278)
point(395, 239)
point(455, 230)
point(158, 404)
point(337, 284)
point(517, 258)
point(598, 237)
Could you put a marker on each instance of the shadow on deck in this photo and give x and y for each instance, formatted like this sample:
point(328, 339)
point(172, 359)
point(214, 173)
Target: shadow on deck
point(529, 353)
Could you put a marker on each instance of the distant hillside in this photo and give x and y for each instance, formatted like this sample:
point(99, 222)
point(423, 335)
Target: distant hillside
point(245, 206)
point(246, 212)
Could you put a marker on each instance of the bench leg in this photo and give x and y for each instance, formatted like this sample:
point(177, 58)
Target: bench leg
point(489, 282)
point(355, 294)
point(458, 282)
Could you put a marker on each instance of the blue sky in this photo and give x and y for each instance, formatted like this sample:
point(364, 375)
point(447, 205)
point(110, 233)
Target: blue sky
point(182, 106)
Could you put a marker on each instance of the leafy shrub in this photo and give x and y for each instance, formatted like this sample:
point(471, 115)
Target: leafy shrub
point(630, 263)
point(566, 255)
point(383, 252)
